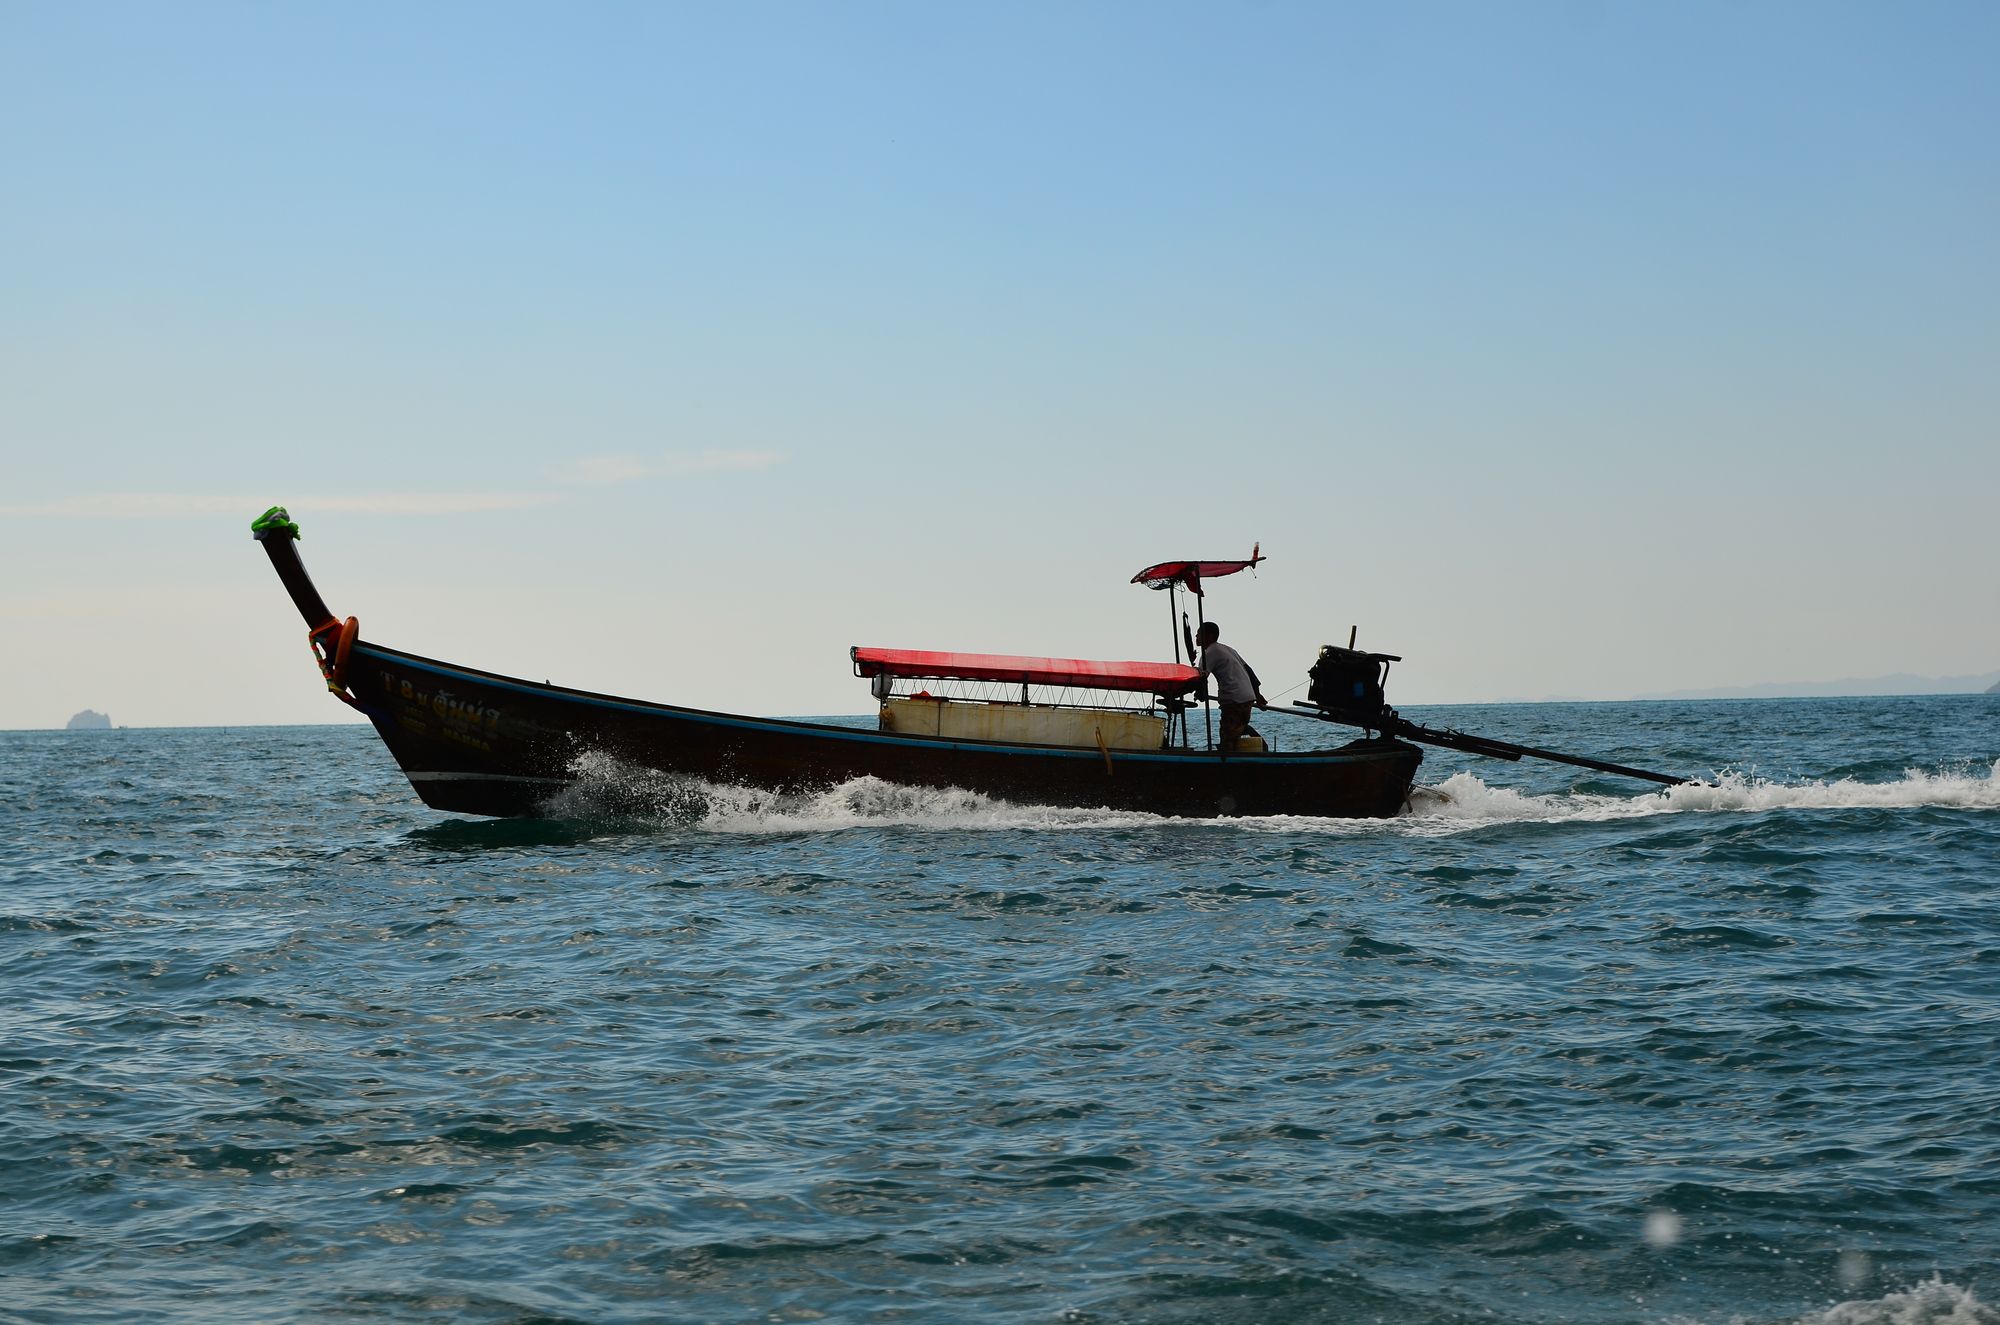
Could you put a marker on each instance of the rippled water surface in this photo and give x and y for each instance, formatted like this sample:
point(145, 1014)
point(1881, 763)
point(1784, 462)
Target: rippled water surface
point(278, 1043)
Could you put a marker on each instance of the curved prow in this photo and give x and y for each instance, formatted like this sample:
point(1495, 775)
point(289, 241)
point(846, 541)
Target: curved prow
point(278, 533)
point(332, 639)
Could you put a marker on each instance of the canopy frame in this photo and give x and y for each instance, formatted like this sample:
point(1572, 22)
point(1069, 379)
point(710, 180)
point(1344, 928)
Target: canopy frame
point(1164, 680)
point(1174, 576)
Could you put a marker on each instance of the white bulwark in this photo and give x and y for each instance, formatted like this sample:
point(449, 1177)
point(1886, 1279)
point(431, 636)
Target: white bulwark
point(1027, 724)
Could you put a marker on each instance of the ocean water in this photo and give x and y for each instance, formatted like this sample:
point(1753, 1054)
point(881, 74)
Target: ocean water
point(279, 1044)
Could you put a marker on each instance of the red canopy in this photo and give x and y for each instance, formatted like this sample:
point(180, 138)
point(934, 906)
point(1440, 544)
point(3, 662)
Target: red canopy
point(1192, 573)
point(1144, 677)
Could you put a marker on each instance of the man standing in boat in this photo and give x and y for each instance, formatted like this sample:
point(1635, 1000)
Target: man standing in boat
point(1236, 686)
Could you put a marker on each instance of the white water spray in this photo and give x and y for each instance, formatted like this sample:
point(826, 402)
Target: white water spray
point(1932, 1302)
point(1464, 797)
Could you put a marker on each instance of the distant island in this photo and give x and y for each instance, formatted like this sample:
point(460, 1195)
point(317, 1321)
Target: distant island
point(90, 720)
point(1902, 683)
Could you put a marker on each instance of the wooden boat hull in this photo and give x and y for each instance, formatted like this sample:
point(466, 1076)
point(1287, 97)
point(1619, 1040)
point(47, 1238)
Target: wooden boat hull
point(475, 742)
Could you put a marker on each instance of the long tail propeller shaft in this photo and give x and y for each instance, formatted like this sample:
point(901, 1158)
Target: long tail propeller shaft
point(1390, 724)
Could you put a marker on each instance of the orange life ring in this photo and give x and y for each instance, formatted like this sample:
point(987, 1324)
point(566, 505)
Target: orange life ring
point(349, 629)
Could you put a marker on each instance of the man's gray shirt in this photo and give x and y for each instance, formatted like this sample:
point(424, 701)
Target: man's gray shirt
point(1232, 675)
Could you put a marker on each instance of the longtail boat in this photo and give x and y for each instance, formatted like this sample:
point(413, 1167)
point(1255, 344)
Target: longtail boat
point(1040, 731)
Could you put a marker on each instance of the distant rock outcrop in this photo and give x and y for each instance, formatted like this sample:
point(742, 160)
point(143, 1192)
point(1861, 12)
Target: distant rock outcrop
point(1993, 689)
point(90, 720)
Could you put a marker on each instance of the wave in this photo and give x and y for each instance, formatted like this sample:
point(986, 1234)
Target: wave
point(608, 790)
point(1933, 1302)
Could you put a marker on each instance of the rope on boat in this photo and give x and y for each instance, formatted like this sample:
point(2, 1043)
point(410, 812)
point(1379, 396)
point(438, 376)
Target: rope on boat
point(332, 644)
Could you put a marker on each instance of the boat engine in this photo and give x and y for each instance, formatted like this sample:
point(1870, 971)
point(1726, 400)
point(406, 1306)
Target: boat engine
point(1347, 688)
point(1347, 685)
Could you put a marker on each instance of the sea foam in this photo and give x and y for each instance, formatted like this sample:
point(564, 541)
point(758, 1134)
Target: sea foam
point(1933, 1302)
point(610, 789)
point(1465, 797)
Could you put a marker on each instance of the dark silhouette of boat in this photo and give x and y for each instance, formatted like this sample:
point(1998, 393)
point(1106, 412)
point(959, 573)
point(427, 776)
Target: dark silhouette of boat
point(476, 742)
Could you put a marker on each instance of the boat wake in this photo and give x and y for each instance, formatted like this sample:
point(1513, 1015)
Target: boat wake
point(1464, 799)
point(607, 790)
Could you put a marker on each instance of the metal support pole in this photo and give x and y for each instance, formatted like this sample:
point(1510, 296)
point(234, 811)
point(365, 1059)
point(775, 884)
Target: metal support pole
point(1207, 730)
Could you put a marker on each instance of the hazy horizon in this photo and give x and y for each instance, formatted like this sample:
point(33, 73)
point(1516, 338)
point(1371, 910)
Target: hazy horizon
point(1990, 679)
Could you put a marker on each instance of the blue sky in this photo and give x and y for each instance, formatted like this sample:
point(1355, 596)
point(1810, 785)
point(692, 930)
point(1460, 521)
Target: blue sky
point(1565, 348)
